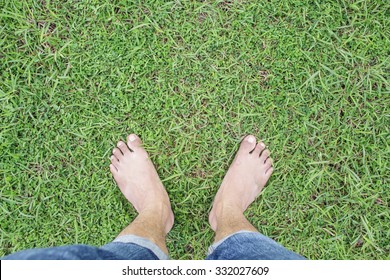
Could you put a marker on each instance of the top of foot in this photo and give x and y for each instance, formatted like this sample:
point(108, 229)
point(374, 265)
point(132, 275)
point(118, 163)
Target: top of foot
point(138, 180)
point(246, 177)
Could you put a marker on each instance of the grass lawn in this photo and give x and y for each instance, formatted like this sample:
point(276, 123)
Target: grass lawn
point(192, 78)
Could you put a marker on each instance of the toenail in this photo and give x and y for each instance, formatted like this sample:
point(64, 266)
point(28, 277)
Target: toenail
point(132, 138)
point(251, 139)
point(262, 144)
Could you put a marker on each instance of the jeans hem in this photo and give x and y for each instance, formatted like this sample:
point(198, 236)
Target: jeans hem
point(143, 242)
point(214, 246)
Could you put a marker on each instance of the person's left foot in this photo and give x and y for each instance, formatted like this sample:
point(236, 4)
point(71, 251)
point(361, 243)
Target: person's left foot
point(138, 180)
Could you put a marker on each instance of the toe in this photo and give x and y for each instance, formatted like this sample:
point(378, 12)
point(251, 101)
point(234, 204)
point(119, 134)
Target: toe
point(264, 155)
point(114, 161)
point(268, 173)
point(259, 148)
point(247, 144)
point(134, 142)
point(113, 169)
point(114, 157)
point(268, 162)
point(117, 153)
point(123, 147)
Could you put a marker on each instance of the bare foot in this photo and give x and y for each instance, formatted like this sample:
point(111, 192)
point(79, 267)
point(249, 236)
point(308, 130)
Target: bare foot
point(244, 180)
point(138, 180)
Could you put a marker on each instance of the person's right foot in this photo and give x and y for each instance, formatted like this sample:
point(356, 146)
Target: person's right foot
point(244, 180)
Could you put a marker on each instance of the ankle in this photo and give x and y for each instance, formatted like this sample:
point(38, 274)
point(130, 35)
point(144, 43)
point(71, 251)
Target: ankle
point(161, 213)
point(224, 213)
point(227, 208)
point(231, 222)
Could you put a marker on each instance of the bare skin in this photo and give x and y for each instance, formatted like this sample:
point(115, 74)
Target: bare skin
point(243, 182)
point(139, 182)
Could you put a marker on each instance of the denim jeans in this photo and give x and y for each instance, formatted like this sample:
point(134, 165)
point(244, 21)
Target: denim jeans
point(242, 245)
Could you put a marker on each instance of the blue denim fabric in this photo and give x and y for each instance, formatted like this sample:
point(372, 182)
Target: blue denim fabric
point(247, 245)
point(144, 250)
point(242, 245)
point(71, 252)
point(117, 251)
point(127, 247)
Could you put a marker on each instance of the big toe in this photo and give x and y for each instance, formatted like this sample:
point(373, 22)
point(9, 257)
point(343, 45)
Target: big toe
point(247, 144)
point(134, 142)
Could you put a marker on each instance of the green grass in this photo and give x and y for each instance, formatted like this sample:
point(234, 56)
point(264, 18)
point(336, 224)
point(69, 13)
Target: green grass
point(192, 78)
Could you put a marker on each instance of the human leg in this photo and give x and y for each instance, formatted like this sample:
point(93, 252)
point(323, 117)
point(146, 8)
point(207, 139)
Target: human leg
point(139, 182)
point(144, 238)
point(235, 236)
